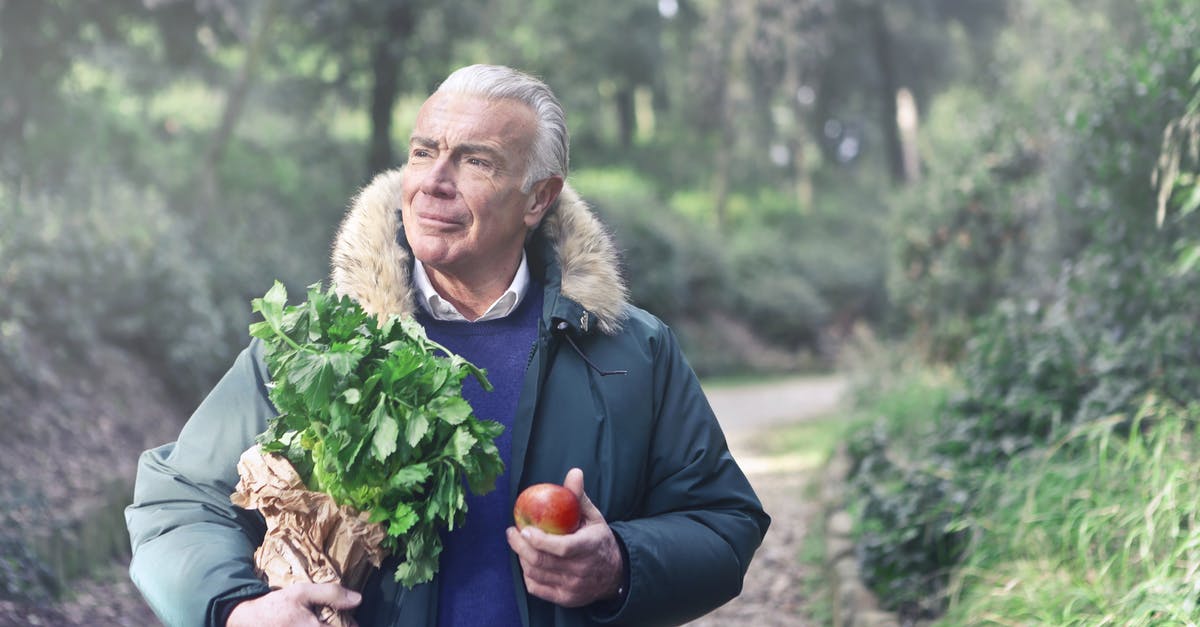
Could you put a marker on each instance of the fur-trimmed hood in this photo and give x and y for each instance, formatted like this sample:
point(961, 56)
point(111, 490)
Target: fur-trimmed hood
point(372, 263)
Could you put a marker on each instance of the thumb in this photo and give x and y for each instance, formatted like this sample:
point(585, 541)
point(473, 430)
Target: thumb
point(328, 594)
point(574, 482)
point(587, 510)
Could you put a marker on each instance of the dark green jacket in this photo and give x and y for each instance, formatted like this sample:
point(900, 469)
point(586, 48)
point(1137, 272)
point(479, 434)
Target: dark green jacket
point(654, 459)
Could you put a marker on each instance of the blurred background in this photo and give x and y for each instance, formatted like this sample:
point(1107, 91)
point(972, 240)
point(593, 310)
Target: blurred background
point(787, 179)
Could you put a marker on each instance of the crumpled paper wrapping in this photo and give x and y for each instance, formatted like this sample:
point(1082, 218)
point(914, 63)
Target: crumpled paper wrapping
point(309, 537)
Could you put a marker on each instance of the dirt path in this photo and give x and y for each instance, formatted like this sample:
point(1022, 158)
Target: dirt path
point(773, 594)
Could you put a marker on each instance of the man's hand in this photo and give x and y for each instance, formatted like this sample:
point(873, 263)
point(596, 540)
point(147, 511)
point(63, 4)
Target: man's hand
point(571, 570)
point(293, 605)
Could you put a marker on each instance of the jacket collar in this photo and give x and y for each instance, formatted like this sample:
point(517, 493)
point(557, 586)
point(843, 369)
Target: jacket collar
point(579, 261)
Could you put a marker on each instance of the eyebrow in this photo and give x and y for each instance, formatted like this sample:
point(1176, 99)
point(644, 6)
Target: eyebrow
point(465, 148)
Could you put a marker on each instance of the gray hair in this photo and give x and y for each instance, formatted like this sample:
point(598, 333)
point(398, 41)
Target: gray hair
point(551, 147)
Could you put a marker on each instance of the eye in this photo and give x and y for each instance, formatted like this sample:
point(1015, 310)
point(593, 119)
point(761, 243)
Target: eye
point(477, 162)
point(419, 153)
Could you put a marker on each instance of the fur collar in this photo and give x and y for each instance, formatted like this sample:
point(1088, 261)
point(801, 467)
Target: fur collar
point(371, 262)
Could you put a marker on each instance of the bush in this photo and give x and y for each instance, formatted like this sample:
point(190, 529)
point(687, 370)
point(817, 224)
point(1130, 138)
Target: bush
point(108, 265)
point(905, 502)
point(1116, 328)
point(677, 268)
point(791, 278)
point(1100, 528)
point(964, 231)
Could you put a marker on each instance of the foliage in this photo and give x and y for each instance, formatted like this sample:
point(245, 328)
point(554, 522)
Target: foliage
point(1115, 327)
point(906, 503)
point(158, 160)
point(784, 275)
point(680, 264)
point(24, 575)
point(105, 265)
point(371, 416)
point(1099, 528)
point(963, 232)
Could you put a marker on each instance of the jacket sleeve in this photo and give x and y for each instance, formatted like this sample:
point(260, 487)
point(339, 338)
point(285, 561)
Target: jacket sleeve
point(701, 521)
point(192, 548)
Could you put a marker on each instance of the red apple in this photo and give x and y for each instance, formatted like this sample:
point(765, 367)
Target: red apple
point(549, 507)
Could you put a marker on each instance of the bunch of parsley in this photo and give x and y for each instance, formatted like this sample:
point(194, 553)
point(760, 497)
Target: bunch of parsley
point(373, 415)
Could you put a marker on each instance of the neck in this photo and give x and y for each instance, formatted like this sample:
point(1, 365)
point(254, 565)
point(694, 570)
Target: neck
point(473, 295)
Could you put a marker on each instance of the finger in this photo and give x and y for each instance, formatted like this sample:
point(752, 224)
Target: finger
point(568, 548)
point(574, 482)
point(533, 559)
point(520, 543)
point(589, 513)
point(546, 544)
point(329, 594)
point(548, 593)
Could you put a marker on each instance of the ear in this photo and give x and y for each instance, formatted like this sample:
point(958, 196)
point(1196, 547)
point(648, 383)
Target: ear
point(545, 192)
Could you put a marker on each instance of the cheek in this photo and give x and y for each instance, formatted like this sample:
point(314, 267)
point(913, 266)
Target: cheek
point(408, 188)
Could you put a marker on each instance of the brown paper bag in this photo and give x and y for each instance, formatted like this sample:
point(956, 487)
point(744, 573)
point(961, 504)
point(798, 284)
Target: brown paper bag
point(309, 537)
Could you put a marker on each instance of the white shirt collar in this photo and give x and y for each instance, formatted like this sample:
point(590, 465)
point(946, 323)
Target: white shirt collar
point(440, 309)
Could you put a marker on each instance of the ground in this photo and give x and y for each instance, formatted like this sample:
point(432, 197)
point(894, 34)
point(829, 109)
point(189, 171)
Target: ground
point(758, 419)
point(754, 418)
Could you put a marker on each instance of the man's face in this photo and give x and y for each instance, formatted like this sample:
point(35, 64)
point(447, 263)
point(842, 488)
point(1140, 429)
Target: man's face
point(464, 212)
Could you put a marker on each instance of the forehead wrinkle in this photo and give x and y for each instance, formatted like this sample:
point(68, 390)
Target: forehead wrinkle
point(479, 135)
point(464, 148)
point(421, 140)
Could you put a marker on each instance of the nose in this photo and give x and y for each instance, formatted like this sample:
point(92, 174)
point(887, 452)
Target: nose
point(439, 180)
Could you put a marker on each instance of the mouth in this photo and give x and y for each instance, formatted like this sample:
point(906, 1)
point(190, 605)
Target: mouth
point(438, 219)
point(444, 216)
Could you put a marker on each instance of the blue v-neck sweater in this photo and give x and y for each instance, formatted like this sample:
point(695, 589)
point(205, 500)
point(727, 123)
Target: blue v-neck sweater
point(476, 583)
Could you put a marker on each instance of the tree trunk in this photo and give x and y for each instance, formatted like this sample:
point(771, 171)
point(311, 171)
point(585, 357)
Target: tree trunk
point(34, 40)
point(386, 58)
point(235, 103)
point(626, 117)
point(881, 40)
point(907, 121)
point(801, 179)
point(723, 166)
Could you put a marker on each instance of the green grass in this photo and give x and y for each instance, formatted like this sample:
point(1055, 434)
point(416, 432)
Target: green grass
point(1101, 529)
point(815, 437)
point(819, 606)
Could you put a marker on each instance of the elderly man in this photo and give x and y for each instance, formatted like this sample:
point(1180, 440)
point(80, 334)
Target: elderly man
point(481, 240)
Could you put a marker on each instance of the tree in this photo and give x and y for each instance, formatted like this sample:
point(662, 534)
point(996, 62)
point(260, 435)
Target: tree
point(879, 48)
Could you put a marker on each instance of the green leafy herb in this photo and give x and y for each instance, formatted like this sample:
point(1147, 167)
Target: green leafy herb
point(373, 415)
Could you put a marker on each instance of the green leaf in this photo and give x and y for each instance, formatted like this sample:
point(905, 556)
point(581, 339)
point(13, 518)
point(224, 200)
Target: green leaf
point(417, 427)
point(487, 429)
point(271, 305)
point(262, 330)
point(451, 409)
point(410, 477)
point(1191, 202)
point(399, 365)
point(403, 518)
point(313, 376)
point(413, 329)
point(386, 434)
point(317, 375)
point(460, 445)
point(340, 416)
point(1188, 261)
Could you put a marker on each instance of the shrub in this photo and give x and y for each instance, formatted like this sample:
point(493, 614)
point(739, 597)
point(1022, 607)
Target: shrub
point(108, 265)
point(677, 267)
point(1116, 328)
point(964, 231)
point(1100, 528)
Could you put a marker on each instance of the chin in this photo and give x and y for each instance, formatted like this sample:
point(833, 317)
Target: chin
point(434, 253)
